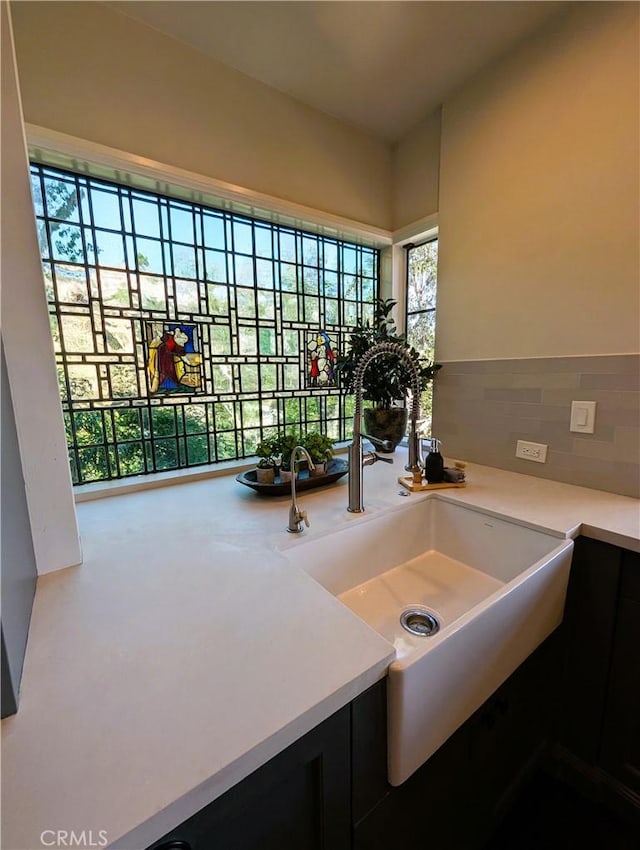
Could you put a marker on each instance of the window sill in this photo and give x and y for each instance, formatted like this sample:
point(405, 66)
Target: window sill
point(105, 489)
point(135, 484)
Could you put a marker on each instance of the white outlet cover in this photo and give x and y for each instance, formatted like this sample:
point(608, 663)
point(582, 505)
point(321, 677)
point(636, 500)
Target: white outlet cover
point(537, 452)
point(583, 417)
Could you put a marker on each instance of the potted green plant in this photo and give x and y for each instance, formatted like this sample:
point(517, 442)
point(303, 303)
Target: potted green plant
point(387, 380)
point(320, 448)
point(286, 443)
point(267, 451)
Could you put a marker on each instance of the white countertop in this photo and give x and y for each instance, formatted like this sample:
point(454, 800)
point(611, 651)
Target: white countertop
point(186, 651)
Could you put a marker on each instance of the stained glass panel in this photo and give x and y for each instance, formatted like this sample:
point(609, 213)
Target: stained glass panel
point(173, 359)
point(321, 360)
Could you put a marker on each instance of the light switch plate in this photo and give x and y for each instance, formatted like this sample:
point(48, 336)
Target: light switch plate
point(583, 417)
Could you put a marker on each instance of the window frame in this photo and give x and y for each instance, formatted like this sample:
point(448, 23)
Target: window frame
point(408, 247)
point(51, 147)
point(433, 236)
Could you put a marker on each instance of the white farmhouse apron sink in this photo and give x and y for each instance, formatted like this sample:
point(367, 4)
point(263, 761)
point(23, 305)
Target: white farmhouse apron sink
point(488, 589)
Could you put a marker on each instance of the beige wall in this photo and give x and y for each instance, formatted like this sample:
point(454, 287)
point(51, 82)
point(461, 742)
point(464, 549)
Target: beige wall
point(539, 196)
point(416, 172)
point(536, 176)
point(93, 73)
point(28, 347)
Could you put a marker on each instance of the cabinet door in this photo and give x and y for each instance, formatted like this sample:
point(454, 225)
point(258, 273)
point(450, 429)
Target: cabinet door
point(369, 750)
point(300, 800)
point(589, 626)
point(621, 739)
point(425, 811)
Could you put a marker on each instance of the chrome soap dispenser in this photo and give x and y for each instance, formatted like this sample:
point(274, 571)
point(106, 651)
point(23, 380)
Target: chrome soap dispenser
point(434, 463)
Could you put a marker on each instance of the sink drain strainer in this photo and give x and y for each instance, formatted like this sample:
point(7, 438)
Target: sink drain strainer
point(419, 622)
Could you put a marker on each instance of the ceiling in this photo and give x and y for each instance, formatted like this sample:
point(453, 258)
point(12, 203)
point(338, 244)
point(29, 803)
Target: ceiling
point(381, 66)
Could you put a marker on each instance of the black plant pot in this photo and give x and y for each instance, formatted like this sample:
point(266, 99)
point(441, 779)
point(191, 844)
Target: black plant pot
point(386, 423)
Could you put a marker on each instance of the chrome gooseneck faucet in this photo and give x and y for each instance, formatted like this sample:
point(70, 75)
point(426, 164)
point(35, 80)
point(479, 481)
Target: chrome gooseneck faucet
point(357, 459)
point(296, 516)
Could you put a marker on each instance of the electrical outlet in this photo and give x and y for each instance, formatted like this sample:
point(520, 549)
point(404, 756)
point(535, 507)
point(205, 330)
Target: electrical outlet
point(531, 451)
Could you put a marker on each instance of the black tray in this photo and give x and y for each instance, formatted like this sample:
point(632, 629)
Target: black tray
point(336, 469)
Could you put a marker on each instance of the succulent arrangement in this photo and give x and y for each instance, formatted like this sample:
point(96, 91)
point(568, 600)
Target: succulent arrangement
point(276, 451)
point(267, 450)
point(319, 446)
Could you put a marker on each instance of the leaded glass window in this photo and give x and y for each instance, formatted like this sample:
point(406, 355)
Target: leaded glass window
point(185, 335)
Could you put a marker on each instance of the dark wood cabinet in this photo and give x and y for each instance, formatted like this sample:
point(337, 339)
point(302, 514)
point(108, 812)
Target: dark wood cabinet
point(300, 800)
point(368, 751)
point(599, 738)
point(589, 623)
point(620, 751)
point(426, 809)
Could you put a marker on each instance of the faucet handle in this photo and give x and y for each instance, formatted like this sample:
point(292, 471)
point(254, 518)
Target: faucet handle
point(302, 516)
point(373, 457)
point(385, 445)
point(383, 459)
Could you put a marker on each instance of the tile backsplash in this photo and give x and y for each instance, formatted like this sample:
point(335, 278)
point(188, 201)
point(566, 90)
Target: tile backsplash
point(482, 407)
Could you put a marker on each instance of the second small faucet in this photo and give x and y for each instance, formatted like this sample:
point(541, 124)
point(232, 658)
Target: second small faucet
point(296, 516)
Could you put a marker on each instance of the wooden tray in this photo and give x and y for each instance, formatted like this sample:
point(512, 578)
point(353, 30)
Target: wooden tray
point(407, 481)
point(335, 470)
